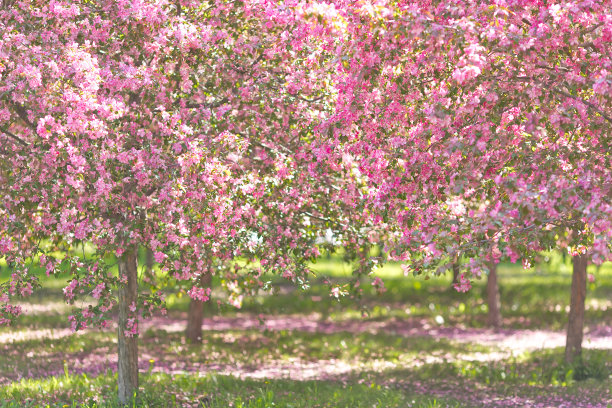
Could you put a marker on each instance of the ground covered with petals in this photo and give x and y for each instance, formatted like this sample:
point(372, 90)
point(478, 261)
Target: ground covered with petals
point(419, 344)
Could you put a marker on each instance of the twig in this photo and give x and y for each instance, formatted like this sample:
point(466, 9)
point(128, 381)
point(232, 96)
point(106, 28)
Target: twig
point(24, 116)
point(14, 137)
point(587, 103)
point(306, 99)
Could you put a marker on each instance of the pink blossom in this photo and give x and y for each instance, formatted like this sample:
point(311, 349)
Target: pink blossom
point(159, 256)
point(69, 290)
point(463, 285)
point(201, 294)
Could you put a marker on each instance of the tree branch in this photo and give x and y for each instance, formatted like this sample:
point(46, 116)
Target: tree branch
point(214, 104)
point(15, 137)
point(23, 114)
point(587, 103)
point(300, 97)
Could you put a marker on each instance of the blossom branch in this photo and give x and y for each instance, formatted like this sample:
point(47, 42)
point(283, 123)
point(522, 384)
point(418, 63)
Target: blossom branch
point(14, 137)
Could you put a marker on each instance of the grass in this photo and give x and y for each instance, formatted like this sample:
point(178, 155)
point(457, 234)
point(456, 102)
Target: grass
point(355, 352)
point(258, 347)
point(529, 374)
point(212, 391)
point(538, 368)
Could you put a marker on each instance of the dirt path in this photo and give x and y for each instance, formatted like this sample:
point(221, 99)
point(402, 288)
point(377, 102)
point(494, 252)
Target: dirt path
point(519, 341)
point(513, 339)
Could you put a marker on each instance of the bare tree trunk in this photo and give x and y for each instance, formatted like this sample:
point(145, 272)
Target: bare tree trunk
point(455, 268)
point(494, 318)
point(195, 315)
point(149, 262)
point(127, 345)
point(573, 344)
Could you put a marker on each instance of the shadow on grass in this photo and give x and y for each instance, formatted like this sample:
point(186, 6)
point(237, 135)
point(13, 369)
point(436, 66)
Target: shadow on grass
point(539, 378)
point(429, 386)
point(248, 353)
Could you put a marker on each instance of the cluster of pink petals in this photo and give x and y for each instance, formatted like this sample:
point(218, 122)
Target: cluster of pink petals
point(442, 132)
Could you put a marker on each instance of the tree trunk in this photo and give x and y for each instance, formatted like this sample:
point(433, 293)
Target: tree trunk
point(128, 345)
point(149, 263)
point(455, 268)
point(494, 318)
point(573, 344)
point(196, 313)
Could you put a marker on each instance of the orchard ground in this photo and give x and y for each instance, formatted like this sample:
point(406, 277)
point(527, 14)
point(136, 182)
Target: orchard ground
point(420, 344)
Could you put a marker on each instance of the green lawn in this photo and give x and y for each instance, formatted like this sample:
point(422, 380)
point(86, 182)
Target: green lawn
point(420, 344)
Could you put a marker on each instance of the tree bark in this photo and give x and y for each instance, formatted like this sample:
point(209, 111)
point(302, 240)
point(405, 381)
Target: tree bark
point(127, 346)
point(149, 263)
point(494, 318)
point(195, 315)
point(573, 344)
point(455, 268)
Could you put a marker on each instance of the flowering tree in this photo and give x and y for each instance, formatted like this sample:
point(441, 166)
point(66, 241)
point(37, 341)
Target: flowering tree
point(178, 126)
point(482, 131)
point(215, 130)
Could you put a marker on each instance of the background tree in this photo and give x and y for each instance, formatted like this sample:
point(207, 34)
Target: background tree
point(478, 129)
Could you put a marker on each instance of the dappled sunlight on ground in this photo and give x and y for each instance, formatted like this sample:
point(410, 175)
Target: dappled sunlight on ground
point(599, 337)
point(249, 330)
point(35, 334)
point(421, 340)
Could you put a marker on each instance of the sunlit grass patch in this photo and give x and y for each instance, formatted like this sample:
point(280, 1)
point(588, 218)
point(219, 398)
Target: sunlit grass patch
point(253, 346)
point(214, 391)
point(536, 368)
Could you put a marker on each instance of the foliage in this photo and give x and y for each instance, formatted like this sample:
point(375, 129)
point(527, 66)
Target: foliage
point(179, 126)
point(477, 131)
point(211, 131)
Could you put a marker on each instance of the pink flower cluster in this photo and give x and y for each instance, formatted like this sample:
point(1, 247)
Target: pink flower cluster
point(444, 132)
point(201, 294)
